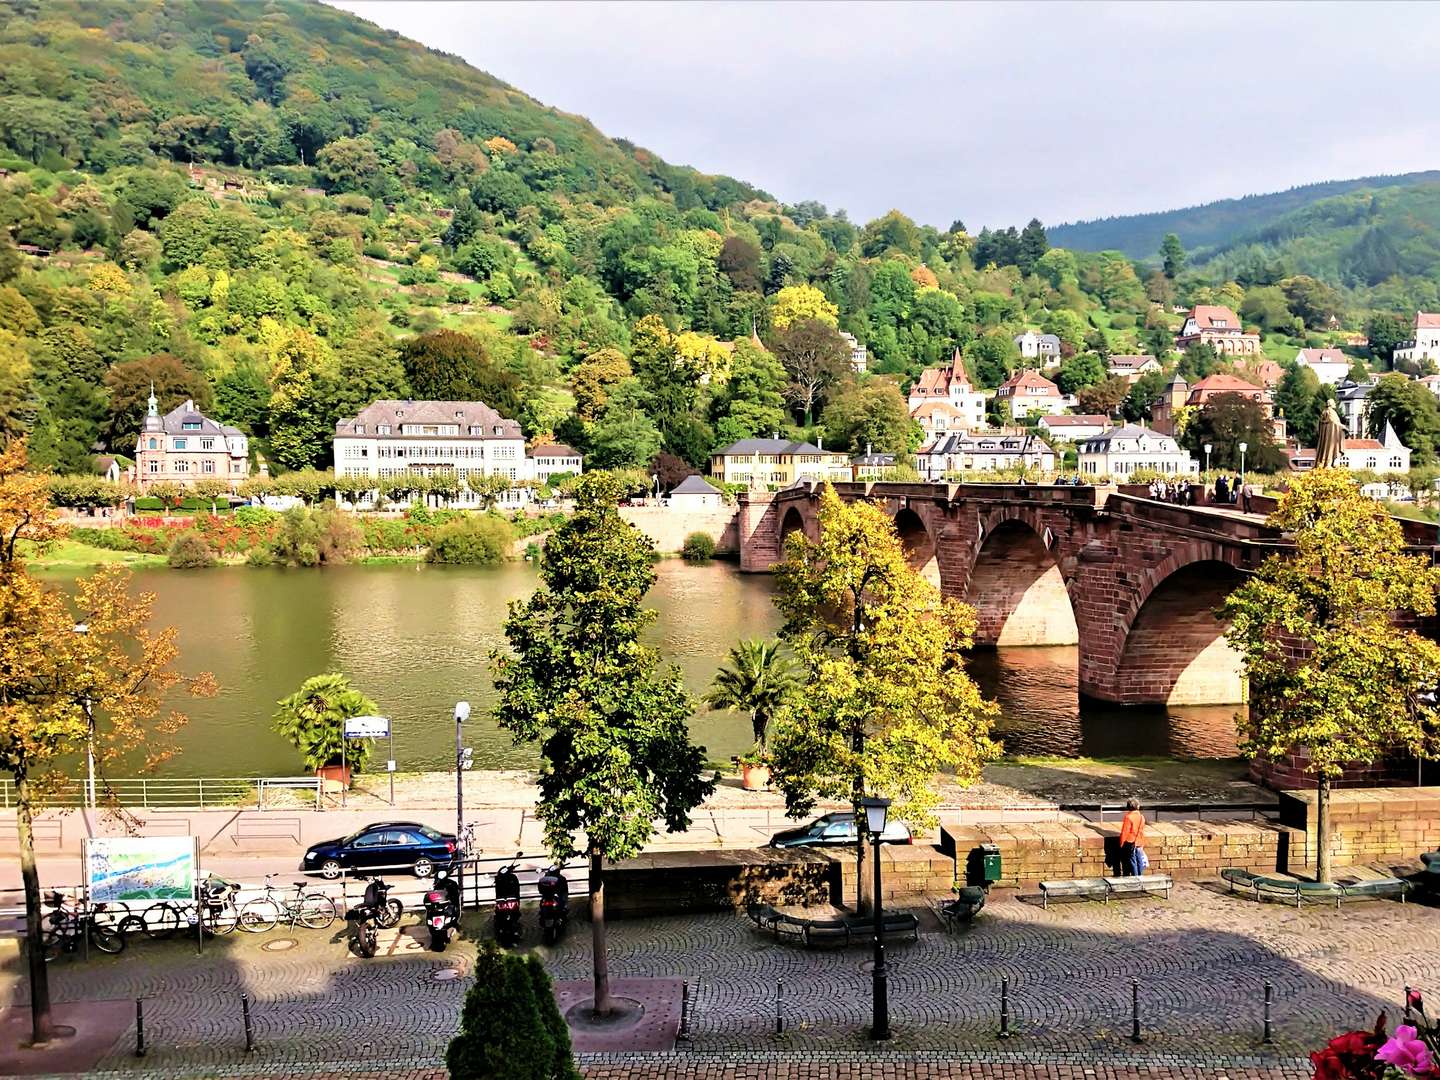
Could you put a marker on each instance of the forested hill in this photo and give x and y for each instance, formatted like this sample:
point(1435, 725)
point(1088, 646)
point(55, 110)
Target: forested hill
point(1213, 225)
point(105, 83)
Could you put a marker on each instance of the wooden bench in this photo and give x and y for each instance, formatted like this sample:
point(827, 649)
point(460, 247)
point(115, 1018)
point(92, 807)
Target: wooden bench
point(1104, 888)
point(265, 826)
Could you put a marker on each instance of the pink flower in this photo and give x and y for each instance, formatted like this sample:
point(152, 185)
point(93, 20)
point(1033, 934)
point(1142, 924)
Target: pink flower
point(1405, 1051)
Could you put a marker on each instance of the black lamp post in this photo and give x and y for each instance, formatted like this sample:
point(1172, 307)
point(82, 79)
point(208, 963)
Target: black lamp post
point(875, 811)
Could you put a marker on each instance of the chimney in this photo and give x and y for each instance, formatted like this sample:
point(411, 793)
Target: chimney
point(820, 441)
point(867, 449)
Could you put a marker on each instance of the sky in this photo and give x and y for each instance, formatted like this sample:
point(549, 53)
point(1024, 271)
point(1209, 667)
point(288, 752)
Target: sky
point(987, 113)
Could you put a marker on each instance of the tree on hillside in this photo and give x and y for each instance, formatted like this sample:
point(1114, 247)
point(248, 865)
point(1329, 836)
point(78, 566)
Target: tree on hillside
point(752, 403)
point(671, 384)
point(1033, 246)
point(1143, 393)
point(445, 365)
point(1079, 372)
point(1330, 671)
point(1312, 301)
point(815, 357)
point(592, 378)
point(993, 357)
point(1225, 422)
point(1299, 396)
point(50, 671)
point(1172, 256)
point(739, 260)
point(871, 416)
point(798, 303)
point(129, 384)
point(1411, 409)
point(611, 724)
point(892, 232)
point(1103, 398)
point(885, 700)
point(1385, 332)
point(1197, 361)
point(624, 437)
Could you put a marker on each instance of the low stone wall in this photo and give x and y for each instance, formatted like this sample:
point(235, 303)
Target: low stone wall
point(906, 870)
point(1367, 824)
point(1183, 849)
point(1290, 772)
point(673, 882)
point(668, 528)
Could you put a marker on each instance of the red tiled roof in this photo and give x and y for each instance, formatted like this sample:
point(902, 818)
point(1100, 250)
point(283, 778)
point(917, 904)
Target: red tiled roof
point(1364, 444)
point(1221, 383)
point(1322, 356)
point(1131, 360)
point(1426, 321)
point(1205, 316)
point(1030, 379)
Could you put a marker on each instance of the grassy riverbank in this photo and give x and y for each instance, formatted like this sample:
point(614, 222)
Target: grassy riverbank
point(71, 555)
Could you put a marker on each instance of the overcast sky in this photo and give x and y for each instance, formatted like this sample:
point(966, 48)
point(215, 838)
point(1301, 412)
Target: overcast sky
point(988, 113)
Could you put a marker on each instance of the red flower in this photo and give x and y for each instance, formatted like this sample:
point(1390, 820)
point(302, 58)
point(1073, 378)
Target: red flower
point(1351, 1056)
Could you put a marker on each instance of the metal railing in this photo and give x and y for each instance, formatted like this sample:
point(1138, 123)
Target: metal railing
point(1179, 811)
point(177, 793)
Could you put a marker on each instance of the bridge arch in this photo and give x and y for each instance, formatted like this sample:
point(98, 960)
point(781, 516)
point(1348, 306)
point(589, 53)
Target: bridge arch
point(793, 520)
point(921, 551)
point(1017, 588)
point(1175, 650)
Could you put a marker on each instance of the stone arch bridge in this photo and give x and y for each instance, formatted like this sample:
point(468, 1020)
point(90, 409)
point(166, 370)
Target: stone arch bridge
point(1131, 581)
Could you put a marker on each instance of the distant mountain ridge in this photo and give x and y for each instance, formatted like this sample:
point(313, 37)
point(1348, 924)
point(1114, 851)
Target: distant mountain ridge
point(1214, 225)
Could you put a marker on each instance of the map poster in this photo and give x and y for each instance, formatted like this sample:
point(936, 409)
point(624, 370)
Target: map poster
point(141, 868)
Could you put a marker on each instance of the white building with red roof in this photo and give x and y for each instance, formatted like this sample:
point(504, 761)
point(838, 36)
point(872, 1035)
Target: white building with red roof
point(1075, 428)
point(951, 386)
point(1426, 343)
point(1131, 367)
point(1029, 393)
point(1219, 327)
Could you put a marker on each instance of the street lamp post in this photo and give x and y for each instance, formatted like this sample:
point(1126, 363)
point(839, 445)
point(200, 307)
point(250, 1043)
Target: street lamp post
point(1208, 448)
point(462, 713)
point(875, 811)
point(82, 628)
point(1242, 448)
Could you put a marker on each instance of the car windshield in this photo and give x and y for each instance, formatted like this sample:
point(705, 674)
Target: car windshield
point(428, 833)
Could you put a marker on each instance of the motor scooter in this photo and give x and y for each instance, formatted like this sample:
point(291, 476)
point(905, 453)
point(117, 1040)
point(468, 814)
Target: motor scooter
point(387, 910)
point(364, 931)
point(554, 904)
point(507, 906)
point(442, 909)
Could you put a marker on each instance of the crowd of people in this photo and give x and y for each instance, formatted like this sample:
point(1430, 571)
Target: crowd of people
point(1228, 491)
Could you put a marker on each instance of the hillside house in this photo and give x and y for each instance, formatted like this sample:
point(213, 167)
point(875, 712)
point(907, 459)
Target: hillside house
point(1218, 327)
point(1425, 345)
point(1042, 347)
point(776, 462)
point(1132, 367)
point(1331, 366)
point(1031, 394)
point(983, 453)
point(1075, 428)
point(184, 446)
point(949, 384)
point(1122, 451)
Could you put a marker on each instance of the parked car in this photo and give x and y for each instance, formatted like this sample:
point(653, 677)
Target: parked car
point(835, 829)
point(384, 844)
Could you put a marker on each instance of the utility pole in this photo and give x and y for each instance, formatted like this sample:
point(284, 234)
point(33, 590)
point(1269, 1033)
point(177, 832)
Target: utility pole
point(462, 713)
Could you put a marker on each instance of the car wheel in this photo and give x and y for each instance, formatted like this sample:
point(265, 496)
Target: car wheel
point(424, 867)
point(331, 869)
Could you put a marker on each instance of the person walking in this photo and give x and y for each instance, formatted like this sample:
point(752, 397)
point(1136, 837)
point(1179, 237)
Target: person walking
point(1222, 490)
point(1132, 838)
point(1245, 492)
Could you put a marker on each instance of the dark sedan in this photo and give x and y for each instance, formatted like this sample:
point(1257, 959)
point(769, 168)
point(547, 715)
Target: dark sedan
point(833, 829)
point(388, 844)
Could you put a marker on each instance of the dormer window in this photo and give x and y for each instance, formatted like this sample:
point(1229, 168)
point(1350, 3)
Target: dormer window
point(383, 429)
point(476, 430)
point(498, 429)
point(359, 429)
point(190, 425)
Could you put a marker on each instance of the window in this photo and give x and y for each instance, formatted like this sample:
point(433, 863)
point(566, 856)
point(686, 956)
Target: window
point(179, 444)
point(154, 466)
point(383, 429)
point(207, 466)
point(190, 425)
point(154, 445)
point(207, 444)
point(1395, 462)
point(182, 466)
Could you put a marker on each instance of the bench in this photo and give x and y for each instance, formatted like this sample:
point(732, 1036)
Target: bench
point(825, 932)
point(897, 924)
point(1104, 888)
point(265, 826)
point(1263, 885)
point(1378, 889)
point(961, 908)
point(830, 931)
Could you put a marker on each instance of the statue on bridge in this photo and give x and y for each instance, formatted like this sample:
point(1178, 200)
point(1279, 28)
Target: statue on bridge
point(1330, 440)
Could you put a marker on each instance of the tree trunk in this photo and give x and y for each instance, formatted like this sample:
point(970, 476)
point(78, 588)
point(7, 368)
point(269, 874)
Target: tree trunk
point(42, 1027)
point(597, 937)
point(1322, 829)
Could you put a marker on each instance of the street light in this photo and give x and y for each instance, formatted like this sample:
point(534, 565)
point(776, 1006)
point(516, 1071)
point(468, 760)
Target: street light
point(1242, 448)
point(875, 810)
point(462, 713)
point(1208, 448)
point(82, 628)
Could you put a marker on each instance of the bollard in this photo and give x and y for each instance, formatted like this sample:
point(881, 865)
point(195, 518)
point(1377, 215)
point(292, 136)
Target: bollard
point(1269, 1036)
point(249, 1031)
point(1005, 1006)
point(1407, 1004)
point(139, 1027)
point(683, 1035)
point(1135, 1011)
point(779, 1014)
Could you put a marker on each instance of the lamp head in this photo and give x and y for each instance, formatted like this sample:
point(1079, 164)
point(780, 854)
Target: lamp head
point(1209, 447)
point(82, 628)
point(462, 711)
point(875, 813)
point(1244, 447)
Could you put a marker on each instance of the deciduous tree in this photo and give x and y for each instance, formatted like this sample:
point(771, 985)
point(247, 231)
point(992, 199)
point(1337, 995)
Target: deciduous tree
point(1330, 671)
point(873, 415)
point(613, 726)
point(815, 357)
point(799, 303)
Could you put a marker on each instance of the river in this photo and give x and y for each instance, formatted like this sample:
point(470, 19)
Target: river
point(418, 638)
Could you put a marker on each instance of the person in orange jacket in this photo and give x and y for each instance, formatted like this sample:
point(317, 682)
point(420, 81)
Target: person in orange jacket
point(1132, 837)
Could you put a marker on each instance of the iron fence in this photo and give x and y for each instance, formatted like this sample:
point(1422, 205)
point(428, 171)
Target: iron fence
point(180, 793)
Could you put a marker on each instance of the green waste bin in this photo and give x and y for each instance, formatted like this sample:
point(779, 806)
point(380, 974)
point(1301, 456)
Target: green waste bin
point(983, 866)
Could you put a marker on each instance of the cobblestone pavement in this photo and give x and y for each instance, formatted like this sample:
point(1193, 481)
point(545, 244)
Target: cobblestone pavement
point(1201, 959)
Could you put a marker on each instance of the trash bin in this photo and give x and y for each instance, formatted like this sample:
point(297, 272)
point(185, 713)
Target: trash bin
point(983, 866)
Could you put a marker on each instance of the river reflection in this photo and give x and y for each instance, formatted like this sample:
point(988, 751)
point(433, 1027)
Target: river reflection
point(418, 638)
point(1041, 712)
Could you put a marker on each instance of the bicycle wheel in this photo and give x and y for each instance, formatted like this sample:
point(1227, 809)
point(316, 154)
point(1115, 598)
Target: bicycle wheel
point(55, 942)
point(259, 915)
point(222, 921)
point(107, 939)
point(162, 921)
point(315, 910)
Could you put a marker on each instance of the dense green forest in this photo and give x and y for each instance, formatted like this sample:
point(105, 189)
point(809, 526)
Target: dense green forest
point(286, 212)
point(1216, 224)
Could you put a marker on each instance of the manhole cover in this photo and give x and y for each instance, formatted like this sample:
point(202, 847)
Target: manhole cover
point(445, 974)
point(280, 944)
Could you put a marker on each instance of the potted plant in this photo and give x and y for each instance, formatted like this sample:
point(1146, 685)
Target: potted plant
point(313, 720)
point(757, 680)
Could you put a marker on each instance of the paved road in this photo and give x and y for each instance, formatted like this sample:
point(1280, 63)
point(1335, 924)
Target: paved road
point(1201, 959)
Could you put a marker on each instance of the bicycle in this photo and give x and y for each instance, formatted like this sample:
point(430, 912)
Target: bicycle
point(467, 839)
point(70, 922)
point(313, 910)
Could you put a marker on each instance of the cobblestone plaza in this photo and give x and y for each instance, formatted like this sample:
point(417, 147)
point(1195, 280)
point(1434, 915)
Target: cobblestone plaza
point(1201, 960)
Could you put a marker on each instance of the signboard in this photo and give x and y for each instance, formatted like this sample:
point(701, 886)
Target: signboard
point(367, 727)
point(140, 868)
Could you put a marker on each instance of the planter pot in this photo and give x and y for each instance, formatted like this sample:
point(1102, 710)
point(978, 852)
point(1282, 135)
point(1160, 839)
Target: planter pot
point(336, 775)
point(754, 777)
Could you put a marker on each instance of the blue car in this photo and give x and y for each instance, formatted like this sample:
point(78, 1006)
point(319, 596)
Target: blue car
point(391, 845)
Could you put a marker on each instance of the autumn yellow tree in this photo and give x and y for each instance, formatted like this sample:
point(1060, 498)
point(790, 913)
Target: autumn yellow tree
point(796, 302)
point(49, 672)
point(886, 700)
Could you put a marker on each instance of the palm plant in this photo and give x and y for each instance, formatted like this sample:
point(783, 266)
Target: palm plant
point(756, 679)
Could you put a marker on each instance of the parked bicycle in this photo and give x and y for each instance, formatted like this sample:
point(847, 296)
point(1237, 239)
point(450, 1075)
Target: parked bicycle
point(70, 923)
point(313, 910)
